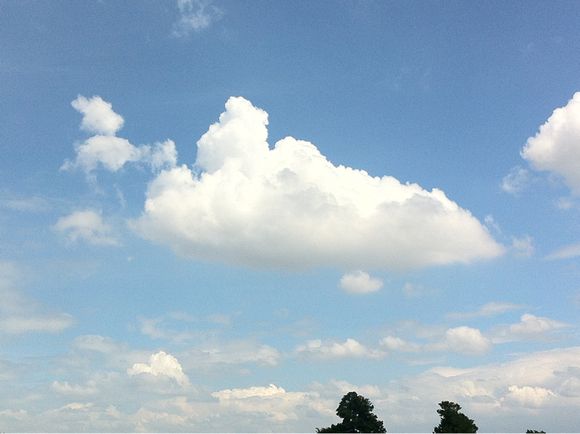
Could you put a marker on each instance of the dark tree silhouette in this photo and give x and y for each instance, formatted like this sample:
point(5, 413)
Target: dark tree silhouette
point(452, 420)
point(533, 431)
point(357, 415)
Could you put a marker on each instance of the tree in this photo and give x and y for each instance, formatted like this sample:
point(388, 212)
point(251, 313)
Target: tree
point(452, 420)
point(357, 415)
point(533, 431)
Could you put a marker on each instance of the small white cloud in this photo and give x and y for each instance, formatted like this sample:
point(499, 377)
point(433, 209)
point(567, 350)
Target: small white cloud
point(393, 343)
point(359, 282)
point(556, 146)
point(523, 246)
point(246, 203)
point(108, 151)
point(532, 325)
point(528, 396)
point(161, 364)
point(88, 226)
point(566, 252)
point(350, 348)
point(98, 115)
point(466, 340)
point(516, 180)
point(195, 15)
point(529, 327)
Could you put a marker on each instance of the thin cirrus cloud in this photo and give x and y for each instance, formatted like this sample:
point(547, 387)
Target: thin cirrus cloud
point(104, 149)
point(20, 314)
point(556, 146)
point(360, 282)
point(489, 309)
point(246, 203)
point(195, 16)
point(566, 252)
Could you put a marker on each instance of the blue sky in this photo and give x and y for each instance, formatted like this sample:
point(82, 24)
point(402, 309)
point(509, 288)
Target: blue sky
point(223, 216)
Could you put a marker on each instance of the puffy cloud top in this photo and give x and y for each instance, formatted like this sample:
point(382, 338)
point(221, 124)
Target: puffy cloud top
point(161, 364)
point(108, 151)
point(98, 115)
point(556, 146)
point(291, 207)
point(467, 340)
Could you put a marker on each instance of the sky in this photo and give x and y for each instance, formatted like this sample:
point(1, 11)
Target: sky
point(223, 216)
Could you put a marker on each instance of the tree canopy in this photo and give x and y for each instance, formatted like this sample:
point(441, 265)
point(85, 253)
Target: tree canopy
point(357, 415)
point(452, 420)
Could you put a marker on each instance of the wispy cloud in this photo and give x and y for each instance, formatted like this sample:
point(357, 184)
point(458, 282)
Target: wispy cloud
point(489, 309)
point(566, 252)
point(516, 181)
point(88, 226)
point(20, 314)
point(195, 16)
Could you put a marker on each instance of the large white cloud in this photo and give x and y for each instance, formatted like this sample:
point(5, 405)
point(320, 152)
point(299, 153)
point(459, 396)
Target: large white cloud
point(556, 146)
point(289, 206)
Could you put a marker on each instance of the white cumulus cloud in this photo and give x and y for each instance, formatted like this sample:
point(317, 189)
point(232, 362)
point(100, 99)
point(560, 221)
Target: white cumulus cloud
point(108, 151)
point(394, 343)
point(98, 115)
point(466, 340)
point(360, 282)
point(529, 396)
point(246, 203)
point(350, 348)
point(556, 146)
point(87, 225)
point(161, 364)
point(272, 401)
point(529, 327)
